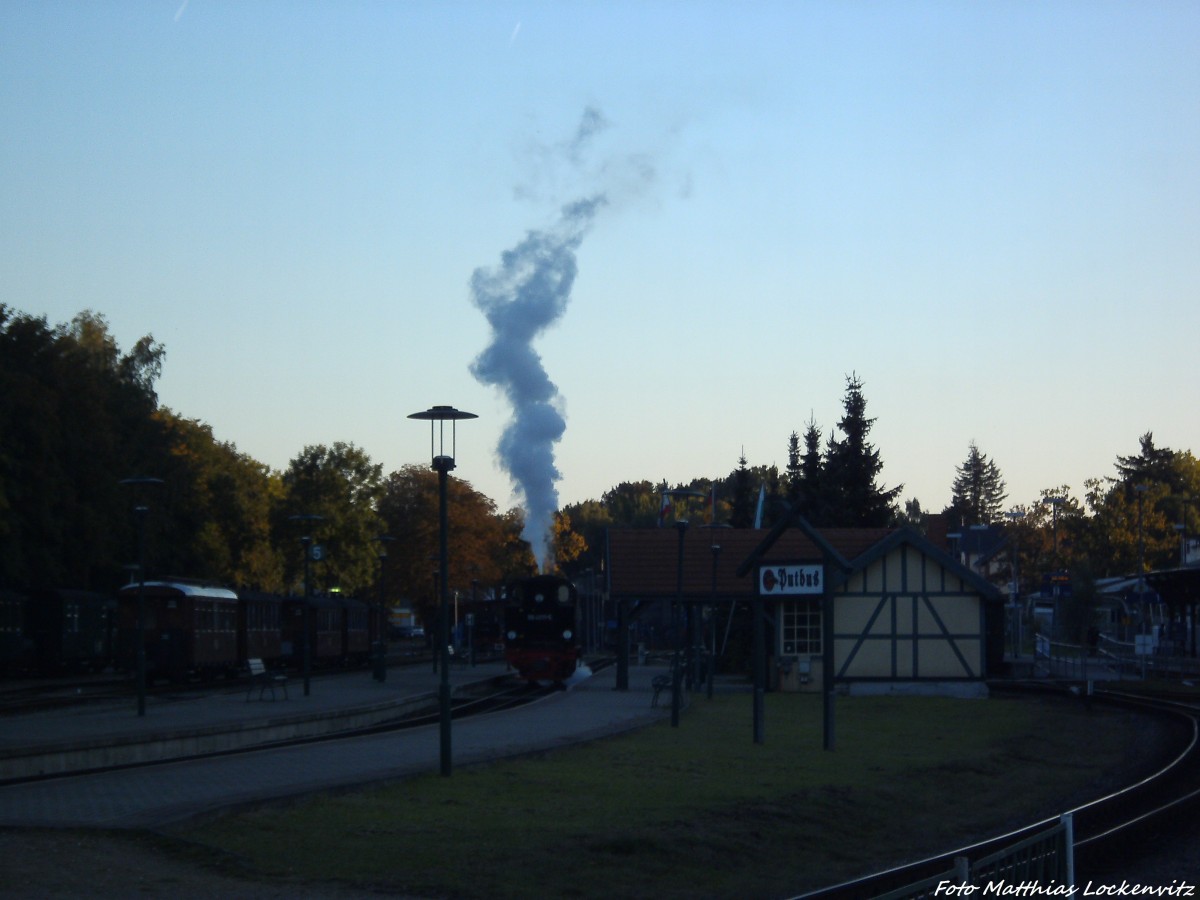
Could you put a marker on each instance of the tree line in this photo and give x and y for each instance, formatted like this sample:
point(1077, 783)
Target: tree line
point(78, 417)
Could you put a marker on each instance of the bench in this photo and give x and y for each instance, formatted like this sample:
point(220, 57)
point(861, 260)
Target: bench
point(265, 679)
point(660, 684)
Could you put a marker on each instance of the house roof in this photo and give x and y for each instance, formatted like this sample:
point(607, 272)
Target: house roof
point(644, 562)
point(907, 536)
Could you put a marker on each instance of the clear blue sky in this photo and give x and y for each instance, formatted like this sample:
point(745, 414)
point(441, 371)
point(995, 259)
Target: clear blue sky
point(989, 211)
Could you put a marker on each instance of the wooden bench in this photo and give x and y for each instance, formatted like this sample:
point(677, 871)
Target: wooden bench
point(660, 684)
point(265, 679)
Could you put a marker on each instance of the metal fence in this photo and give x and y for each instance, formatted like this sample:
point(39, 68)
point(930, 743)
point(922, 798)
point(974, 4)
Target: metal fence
point(1058, 659)
point(1046, 859)
point(1159, 658)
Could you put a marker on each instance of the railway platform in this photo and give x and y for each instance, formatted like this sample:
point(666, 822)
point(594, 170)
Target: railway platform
point(198, 719)
point(176, 729)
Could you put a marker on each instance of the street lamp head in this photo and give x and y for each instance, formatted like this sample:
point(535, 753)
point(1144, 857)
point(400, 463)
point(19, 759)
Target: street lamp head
point(440, 415)
point(384, 540)
point(681, 496)
point(306, 517)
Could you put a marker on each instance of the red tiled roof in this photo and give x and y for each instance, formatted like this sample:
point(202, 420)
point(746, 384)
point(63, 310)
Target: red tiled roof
point(643, 562)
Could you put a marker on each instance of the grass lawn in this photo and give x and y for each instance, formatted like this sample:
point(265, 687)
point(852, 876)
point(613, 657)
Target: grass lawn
point(701, 811)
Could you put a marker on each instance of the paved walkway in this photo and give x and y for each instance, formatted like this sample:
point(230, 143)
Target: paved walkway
point(172, 792)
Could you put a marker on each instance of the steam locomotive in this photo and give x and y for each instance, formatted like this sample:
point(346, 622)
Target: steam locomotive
point(541, 628)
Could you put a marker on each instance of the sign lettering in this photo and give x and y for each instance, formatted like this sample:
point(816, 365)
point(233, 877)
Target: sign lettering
point(791, 580)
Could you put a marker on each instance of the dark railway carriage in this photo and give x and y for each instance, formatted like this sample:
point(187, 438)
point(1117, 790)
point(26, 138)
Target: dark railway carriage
point(541, 628)
point(190, 629)
point(356, 630)
point(328, 634)
point(71, 630)
point(260, 629)
point(16, 650)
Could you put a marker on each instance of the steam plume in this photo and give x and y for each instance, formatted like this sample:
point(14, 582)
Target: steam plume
point(521, 297)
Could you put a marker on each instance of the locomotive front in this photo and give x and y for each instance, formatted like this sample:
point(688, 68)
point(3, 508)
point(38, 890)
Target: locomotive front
point(541, 628)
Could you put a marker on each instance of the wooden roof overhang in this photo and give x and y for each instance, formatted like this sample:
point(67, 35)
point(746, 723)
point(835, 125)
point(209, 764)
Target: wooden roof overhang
point(643, 563)
point(1177, 587)
point(886, 541)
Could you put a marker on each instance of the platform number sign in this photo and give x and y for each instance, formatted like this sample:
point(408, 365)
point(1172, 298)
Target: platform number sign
point(316, 552)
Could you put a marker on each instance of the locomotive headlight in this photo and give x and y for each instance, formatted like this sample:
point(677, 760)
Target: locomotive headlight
point(567, 635)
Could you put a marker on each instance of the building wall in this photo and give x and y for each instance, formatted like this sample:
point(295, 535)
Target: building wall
point(903, 617)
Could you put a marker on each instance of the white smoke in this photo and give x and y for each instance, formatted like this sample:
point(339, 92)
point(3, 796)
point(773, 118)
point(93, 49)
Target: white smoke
point(521, 297)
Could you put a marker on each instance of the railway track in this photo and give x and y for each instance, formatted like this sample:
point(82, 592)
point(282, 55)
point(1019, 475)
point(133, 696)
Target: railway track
point(1108, 831)
point(497, 698)
point(43, 696)
point(47, 694)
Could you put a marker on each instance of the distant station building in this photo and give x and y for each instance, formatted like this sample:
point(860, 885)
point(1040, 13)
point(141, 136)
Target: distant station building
point(906, 615)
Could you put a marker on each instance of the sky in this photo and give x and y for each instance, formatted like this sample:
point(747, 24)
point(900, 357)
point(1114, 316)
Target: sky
point(989, 212)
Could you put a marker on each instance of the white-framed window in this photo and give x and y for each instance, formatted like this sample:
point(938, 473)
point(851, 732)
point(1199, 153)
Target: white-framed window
point(800, 622)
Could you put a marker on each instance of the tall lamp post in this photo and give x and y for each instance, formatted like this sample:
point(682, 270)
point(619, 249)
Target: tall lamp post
point(1141, 489)
point(306, 543)
point(381, 618)
point(1014, 592)
point(1054, 503)
point(1182, 527)
point(711, 627)
point(140, 511)
point(438, 416)
point(680, 495)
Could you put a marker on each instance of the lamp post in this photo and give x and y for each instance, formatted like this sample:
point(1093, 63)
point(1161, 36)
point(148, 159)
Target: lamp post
point(140, 511)
point(381, 619)
point(438, 416)
point(306, 644)
point(1182, 529)
point(681, 495)
point(711, 628)
point(1054, 503)
point(1014, 588)
point(1140, 490)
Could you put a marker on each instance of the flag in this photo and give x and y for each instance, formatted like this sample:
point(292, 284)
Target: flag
point(664, 510)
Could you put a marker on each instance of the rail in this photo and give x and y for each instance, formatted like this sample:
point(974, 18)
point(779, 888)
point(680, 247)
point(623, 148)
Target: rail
point(1043, 858)
point(1098, 829)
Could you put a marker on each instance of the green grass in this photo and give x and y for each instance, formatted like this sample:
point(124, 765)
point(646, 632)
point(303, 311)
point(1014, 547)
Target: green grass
point(701, 811)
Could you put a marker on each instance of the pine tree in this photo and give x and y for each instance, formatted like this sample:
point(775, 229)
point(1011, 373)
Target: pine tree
point(811, 502)
point(977, 495)
point(793, 473)
point(742, 513)
point(851, 467)
point(1154, 465)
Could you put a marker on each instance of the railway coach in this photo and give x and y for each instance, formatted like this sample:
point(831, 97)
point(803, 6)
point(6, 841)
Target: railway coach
point(339, 630)
point(190, 629)
point(70, 630)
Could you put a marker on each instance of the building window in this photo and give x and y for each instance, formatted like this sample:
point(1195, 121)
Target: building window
point(801, 626)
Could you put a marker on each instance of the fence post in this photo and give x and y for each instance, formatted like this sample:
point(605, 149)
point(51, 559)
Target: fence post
point(962, 869)
point(1068, 822)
